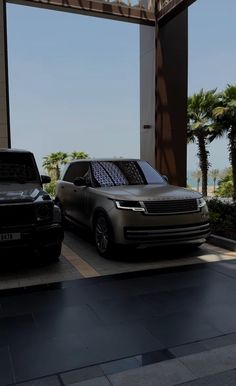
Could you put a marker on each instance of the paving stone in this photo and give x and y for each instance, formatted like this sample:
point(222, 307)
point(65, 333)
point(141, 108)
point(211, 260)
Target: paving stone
point(187, 349)
point(120, 365)
point(49, 381)
point(6, 370)
point(211, 362)
point(100, 381)
point(81, 375)
point(166, 373)
point(220, 341)
point(227, 378)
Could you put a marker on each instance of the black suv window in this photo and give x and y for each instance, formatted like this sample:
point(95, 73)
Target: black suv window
point(17, 167)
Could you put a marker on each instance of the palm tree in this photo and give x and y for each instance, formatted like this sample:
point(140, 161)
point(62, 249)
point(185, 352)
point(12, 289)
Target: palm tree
point(78, 155)
point(197, 175)
point(215, 175)
point(225, 116)
point(200, 126)
point(53, 162)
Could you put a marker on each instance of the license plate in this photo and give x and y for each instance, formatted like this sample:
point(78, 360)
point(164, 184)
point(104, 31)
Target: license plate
point(9, 236)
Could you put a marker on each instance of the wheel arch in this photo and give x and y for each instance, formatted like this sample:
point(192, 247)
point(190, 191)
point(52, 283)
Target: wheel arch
point(101, 211)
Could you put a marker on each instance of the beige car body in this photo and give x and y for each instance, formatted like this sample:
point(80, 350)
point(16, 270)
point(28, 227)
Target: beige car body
point(165, 215)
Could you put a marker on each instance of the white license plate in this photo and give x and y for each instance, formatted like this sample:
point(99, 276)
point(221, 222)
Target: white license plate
point(9, 236)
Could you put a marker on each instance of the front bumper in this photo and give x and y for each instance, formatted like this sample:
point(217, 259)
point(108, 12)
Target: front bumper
point(138, 228)
point(33, 237)
point(195, 233)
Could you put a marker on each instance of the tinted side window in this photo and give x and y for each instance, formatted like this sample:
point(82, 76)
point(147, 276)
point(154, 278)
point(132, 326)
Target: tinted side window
point(151, 175)
point(76, 170)
point(18, 166)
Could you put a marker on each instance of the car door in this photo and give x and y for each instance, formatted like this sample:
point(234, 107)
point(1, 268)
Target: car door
point(72, 197)
point(79, 204)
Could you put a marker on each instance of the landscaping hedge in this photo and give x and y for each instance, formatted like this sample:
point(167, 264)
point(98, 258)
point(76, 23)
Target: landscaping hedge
point(223, 218)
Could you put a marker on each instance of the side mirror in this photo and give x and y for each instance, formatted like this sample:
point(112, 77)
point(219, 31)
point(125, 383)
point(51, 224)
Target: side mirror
point(80, 181)
point(45, 179)
point(165, 178)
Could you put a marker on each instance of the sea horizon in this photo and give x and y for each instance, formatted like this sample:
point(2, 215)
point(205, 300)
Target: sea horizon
point(192, 182)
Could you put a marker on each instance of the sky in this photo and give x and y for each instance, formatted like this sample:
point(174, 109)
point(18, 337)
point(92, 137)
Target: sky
point(74, 80)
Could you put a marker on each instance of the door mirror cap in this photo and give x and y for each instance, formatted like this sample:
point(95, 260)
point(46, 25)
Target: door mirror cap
point(45, 179)
point(80, 181)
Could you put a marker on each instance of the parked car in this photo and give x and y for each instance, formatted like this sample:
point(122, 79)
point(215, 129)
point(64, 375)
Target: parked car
point(28, 217)
point(128, 202)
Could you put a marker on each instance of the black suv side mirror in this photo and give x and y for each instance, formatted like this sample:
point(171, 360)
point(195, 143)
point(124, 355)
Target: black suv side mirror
point(45, 179)
point(80, 181)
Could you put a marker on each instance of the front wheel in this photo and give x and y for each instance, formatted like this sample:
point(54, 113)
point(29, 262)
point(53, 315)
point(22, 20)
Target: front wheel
point(103, 236)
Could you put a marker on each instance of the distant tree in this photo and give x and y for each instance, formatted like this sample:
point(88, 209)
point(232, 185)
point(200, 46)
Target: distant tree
point(215, 175)
point(53, 162)
point(197, 175)
point(225, 172)
point(200, 126)
point(77, 155)
point(225, 184)
point(225, 117)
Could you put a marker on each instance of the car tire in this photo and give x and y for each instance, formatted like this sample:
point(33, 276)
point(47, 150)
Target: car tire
point(103, 236)
point(51, 254)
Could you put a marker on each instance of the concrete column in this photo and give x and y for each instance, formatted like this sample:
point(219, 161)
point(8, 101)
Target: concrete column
point(4, 94)
point(171, 98)
point(147, 93)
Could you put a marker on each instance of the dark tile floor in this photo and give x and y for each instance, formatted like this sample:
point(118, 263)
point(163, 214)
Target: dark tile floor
point(152, 315)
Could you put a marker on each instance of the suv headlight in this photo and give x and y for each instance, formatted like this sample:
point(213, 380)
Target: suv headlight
point(201, 202)
point(44, 211)
point(129, 205)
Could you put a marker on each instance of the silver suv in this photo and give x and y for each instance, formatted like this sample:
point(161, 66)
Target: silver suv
point(29, 219)
point(126, 201)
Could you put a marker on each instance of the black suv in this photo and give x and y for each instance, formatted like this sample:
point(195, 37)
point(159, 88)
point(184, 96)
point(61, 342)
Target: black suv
point(28, 217)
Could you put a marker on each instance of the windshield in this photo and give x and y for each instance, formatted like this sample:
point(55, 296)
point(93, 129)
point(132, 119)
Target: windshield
point(115, 173)
point(18, 167)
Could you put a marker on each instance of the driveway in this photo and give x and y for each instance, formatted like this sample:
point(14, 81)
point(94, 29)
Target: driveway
point(80, 260)
point(112, 323)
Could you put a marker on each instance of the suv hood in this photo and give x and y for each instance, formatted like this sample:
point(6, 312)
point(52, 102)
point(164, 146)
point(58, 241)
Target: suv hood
point(14, 192)
point(148, 192)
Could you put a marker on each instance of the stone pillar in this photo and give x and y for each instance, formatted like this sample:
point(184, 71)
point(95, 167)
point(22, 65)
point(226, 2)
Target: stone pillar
point(4, 93)
point(163, 96)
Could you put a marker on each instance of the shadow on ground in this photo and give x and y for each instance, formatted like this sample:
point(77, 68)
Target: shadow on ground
point(18, 262)
point(138, 254)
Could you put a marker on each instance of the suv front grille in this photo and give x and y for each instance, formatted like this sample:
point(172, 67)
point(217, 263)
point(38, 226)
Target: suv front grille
point(16, 215)
point(172, 206)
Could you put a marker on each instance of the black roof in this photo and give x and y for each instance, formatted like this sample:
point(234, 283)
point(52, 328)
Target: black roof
point(6, 150)
point(104, 160)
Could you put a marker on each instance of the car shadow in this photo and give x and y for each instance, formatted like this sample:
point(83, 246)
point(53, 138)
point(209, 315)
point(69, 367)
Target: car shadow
point(16, 262)
point(154, 254)
point(138, 254)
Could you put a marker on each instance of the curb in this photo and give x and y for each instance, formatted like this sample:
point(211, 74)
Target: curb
point(222, 242)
